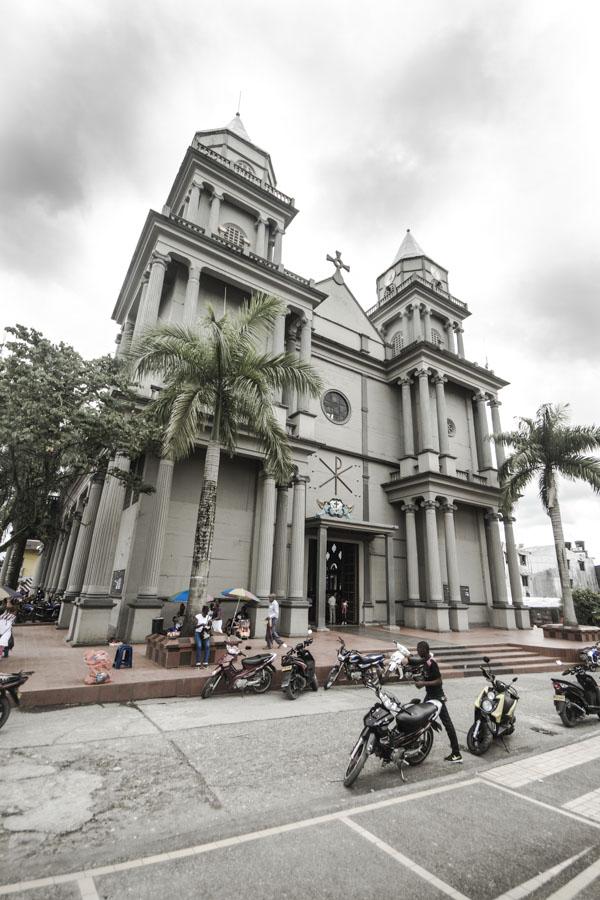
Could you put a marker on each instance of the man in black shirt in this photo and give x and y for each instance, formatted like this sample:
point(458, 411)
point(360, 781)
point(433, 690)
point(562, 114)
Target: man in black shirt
point(434, 691)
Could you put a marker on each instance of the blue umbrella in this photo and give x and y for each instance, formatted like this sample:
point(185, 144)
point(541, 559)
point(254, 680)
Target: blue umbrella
point(181, 597)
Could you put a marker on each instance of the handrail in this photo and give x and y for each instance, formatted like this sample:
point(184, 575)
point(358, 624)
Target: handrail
point(416, 277)
point(240, 170)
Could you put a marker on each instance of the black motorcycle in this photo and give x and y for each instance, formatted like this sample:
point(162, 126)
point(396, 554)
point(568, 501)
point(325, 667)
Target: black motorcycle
point(9, 689)
point(298, 670)
point(47, 610)
point(366, 667)
point(575, 701)
point(401, 734)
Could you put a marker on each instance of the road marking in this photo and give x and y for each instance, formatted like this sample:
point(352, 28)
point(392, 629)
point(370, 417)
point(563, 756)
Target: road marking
point(577, 884)
point(405, 861)
point(87, 889)
point(535, 768)
point(528, 887)
point(587, 805)
point(98, 871)
point(555, 809)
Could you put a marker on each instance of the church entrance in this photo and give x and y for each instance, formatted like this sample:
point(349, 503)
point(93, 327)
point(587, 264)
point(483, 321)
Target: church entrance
point(341, 577)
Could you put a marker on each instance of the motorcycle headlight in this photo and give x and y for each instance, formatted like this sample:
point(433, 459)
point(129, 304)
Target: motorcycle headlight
point(487, 705)
point(491, 695)
point(340, 656)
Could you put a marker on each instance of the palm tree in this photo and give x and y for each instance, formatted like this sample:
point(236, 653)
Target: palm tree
point(544, 448)
point(217, 379)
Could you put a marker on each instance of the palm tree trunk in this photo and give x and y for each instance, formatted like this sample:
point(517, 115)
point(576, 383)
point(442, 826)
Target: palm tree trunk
point(569, 617)
point(203, 539)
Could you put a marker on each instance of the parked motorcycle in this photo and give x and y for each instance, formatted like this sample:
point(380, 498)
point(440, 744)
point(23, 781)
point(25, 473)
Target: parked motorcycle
point(298, 668)
point(9, 690)
point(25, 612)
point(47, 610)
point(397, 733)
point(401, 665)
point(574, 701)
point(356, 666)
point(256, 673)
point(495, 709)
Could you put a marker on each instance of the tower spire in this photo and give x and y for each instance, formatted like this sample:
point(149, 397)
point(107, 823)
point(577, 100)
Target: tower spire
point(409, 247)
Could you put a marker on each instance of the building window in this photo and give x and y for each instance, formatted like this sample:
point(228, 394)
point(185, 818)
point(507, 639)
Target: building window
point(451, 428)
point(436, 337)
point(336, 407)
point(522, 559)
point(525, 580)
point(245, 166)
point(581, 565)
point(234, 234)
point(136, 470)
point(397, 343)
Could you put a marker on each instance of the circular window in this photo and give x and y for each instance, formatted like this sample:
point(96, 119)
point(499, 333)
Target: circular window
point(336, 407)
point(451, 428)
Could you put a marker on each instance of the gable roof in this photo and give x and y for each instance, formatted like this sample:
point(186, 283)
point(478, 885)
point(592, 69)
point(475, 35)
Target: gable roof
point(342, 306)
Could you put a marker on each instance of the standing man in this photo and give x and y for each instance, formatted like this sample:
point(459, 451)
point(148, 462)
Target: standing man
point(273, 623)
point(434, 691)
point(331, 603)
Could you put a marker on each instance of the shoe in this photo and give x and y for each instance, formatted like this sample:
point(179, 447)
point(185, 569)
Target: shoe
point(282, 645)
point(198, 665)
point(453, 758)
point(205, 665)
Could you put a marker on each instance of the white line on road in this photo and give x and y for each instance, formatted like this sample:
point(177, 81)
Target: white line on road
point(535, 768)
point(555, 809)
point(429, 877)
point(528, 887)
point(587, 805)
point(577, 884)
point(87, 889)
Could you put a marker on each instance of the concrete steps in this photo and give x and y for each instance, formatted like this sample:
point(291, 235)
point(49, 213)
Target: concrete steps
point(506, 659)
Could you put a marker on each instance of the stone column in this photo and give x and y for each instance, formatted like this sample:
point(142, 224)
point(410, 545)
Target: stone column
point(296, 579)
point(321, 578)
point(458, 612)
point(450, 336)
point(459, 339)
point(277, 246)
point(414, 612)
point(485, 463)
point(278, 348)
point(126, 338)
point(502, 615)
point(279, 574)
point(416, 322)
point(436, 614)
point(147, 316)
point(193, 210)
point(426, 323)
point(215, 212)
point(305, 356)
point(522, 614)
point(135, 620)
point(48, 551)
point(70, 550)
point(390, 581)
point(426, 442)
point(58, 560)
point(261, 234)
point(190, 306)
point(84, 540)
point(407, 417)
point(93, 608)
point(38, 573)
point(289, 395)
point(447, 459)
point(265, 538)
point(495, 405)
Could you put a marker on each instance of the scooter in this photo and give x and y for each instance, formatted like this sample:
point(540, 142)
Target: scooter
point(495, 709)
point(298, 668)
point(397, 733)
point(366, 667)
point(9, 690)
point(401, 664)
point(574, 701)
point(255, 675)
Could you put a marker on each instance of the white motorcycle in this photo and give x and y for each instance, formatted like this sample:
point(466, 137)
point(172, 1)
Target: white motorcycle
point(401, 665)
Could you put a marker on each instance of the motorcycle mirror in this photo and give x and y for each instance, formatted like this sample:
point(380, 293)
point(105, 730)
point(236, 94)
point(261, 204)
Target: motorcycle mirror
point(248, 646)
point(486, 659)
point(515, 679)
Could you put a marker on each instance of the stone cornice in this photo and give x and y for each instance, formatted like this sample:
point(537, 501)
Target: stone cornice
point(468, 492)
point(458, 370)
point(424, 292)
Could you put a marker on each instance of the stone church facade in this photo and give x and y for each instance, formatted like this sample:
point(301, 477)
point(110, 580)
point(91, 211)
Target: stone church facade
point(395, 499)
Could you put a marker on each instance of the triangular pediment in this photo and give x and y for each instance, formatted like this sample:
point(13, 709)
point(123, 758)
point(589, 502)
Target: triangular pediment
point(342, 306)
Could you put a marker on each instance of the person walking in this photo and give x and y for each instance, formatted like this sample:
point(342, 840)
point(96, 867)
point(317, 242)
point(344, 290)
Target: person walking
point(434, 691)
point(344, 611)
point(331, 603)
point(273, 635)
point(202, 636)
point(6, 623)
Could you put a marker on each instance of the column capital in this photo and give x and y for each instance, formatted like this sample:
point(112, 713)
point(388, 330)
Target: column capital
point(494, 402)
point(423, 372)
point(410, 508)
point(198, 185)
point(448, 325)
point(480, 397)
point(145, 277)
point(159, 259)
point(439, 378)
point(508, 519)
point(216, 195)
point(429, 504)
point(448, 506)
point(458, 328)
point(261, 220)
point(194, 271)
point(298, 479)
point(405, 380)
point(493, 515)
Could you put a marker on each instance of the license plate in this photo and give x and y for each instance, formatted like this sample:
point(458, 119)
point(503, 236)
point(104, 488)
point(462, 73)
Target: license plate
point(559, 698)
point(286, 668)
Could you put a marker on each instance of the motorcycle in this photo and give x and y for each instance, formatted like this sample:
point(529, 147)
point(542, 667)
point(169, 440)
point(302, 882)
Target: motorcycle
point(9, 689)
point(25, 612)
point(397, 733)
point(574, 701)
point(495, 709)
point(47, 610)
point(401, 665)
point(256, 673)
point(356, 666)
point(298, 668)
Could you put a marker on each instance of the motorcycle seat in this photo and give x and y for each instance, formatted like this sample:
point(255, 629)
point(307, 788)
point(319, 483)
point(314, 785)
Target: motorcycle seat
point(256, 660)
point(416, 716)
point(369, 659)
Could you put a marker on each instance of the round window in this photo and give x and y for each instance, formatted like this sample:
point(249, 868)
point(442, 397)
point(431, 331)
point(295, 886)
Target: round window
point(336, 407)
point(451, 428)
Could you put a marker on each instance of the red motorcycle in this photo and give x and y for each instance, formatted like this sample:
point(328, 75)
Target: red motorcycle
point(256, 673)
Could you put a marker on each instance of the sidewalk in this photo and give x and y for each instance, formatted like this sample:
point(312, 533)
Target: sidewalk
point(59, 669)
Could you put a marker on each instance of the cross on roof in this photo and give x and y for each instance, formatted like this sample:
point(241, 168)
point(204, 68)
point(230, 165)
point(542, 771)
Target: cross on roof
point(339, 265)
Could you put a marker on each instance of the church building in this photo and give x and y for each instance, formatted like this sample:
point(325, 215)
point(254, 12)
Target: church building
point(394, 503)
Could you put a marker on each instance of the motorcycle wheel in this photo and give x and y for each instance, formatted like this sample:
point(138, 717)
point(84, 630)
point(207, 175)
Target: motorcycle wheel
point(567, 715)
point(293, 690)
point(332, 677)
point(211, 686)
point(480, 744)
point(357, 760)
point(314, 685)
point(4, 709)
point(266, 677)
point(426, 743)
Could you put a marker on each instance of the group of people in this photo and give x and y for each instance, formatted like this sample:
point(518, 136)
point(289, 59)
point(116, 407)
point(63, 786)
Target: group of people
point(208, 622)
point(333, 600)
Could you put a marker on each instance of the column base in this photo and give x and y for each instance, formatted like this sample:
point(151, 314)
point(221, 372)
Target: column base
point(503, 617)
point(258, 625)
point(408, 466)
point(429, 461)
point(448, 464)
point(459, 618)
point(64, 616)
point(90, 621)
point(138, 620)
point(522, 617)
point(437, 618)
point(293, 618)
point(414, 615)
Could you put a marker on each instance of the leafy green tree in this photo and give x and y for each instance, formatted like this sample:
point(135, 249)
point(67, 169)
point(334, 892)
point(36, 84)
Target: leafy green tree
point(587, 606)
point(217, 380)
point(544, 449)
point(61, 417)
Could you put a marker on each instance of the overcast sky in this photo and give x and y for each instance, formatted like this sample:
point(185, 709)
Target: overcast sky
point(473, 123)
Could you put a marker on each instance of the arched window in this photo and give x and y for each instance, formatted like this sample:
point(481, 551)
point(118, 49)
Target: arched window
point(397, 343)
point(244, 166)
point(234, 234)
point(436, 338)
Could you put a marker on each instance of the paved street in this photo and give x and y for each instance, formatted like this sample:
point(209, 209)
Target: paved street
point(244, 795)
